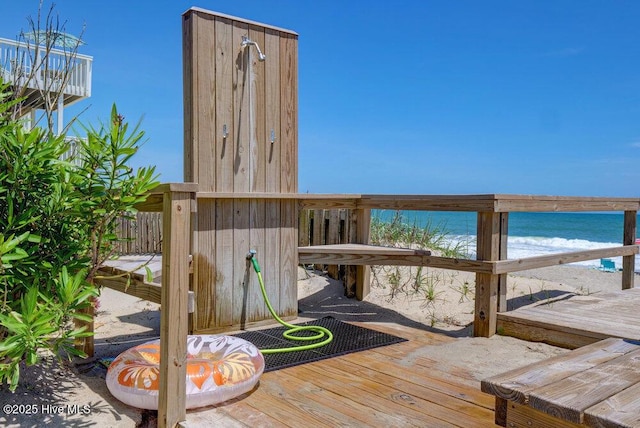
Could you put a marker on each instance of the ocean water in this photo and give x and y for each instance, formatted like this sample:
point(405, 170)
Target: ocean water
point(530, 234)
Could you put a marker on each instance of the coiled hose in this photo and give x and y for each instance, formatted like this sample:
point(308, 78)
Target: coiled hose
point(292, 329)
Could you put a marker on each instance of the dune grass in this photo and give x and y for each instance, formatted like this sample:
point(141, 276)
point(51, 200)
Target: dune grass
point(416, 282)
point(398, 232)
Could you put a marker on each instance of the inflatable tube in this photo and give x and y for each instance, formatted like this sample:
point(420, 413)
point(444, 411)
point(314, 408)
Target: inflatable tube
point(218, 368)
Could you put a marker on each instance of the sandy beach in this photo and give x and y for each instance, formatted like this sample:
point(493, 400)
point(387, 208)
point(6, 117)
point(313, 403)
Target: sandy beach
point(75, 394)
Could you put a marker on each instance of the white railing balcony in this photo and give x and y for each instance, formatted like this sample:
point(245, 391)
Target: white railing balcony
point(35, 70)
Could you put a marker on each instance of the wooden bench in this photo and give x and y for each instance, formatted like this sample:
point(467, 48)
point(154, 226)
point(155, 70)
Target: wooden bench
point(597, 385)
point(361, 255)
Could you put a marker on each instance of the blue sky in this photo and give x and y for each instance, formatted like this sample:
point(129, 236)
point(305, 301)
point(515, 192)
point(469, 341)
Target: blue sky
point(419, 97)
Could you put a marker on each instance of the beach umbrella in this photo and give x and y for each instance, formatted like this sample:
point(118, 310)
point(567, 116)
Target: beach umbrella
point(60, 40)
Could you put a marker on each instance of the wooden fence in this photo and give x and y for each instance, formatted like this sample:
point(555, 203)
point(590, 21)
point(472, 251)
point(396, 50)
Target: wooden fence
point(326, 227)
point(140, 236)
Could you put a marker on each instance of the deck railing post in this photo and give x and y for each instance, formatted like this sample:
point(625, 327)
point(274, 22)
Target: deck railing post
point(488, 249)
point(174, 315)
point(363, 230)
point(629, 238)
point(318, 231)
point(502, 279)
point(333, 237)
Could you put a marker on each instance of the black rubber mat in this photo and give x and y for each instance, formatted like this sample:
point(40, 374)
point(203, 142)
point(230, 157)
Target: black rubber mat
point(347, 338)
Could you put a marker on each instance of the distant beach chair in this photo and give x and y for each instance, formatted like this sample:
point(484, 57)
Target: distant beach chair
point(607, 265)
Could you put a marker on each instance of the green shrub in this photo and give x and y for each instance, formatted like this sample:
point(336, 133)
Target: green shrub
point(57, 223)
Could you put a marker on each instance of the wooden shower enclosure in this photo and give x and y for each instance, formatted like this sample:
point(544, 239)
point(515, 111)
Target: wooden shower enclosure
point(240, 146)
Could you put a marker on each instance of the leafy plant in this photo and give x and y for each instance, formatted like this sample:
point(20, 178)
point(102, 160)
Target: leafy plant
point(107, 188)
point(10, 251)
point(39, 323)
point(58, 226)
point(420, 279)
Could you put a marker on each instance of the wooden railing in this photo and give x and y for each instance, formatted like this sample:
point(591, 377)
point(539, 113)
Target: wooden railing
point(491, 264)
point(340, 219)
point(22, 64)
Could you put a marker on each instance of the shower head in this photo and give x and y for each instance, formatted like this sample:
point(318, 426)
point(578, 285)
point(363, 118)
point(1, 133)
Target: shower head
point(246, 41)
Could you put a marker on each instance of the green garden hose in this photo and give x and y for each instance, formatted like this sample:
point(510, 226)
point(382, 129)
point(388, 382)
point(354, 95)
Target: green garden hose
point(293, 329)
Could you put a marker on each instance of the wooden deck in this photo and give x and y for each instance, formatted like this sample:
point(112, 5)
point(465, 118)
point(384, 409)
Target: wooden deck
point(379, 387)
point(576, 321)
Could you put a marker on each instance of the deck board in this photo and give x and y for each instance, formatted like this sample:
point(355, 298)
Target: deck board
point(576, 321)
point(360, 254)
point(376, 387)
point(571, 397)
point(621, 408)
point(516, 385)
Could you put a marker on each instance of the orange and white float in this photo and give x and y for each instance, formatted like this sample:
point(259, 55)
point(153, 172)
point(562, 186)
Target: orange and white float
point(219, 368)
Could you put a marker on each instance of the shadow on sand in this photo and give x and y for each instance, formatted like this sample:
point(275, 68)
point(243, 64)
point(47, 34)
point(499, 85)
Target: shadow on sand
point(330, 301)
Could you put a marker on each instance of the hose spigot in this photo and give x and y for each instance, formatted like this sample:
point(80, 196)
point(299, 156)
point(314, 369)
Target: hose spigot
point(254, 260)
